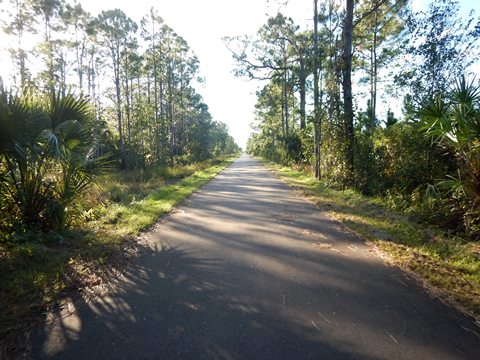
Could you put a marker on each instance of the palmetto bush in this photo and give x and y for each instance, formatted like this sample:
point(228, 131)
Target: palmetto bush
point(46, 157)
point(453, 122)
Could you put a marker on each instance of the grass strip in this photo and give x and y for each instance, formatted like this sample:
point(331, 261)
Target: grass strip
point(128, 220)
point(449, 267)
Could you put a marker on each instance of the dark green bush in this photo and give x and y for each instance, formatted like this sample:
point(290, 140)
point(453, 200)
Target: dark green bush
point(46, 157)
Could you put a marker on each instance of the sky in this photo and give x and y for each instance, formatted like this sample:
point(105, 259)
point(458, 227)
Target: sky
point(203, 24)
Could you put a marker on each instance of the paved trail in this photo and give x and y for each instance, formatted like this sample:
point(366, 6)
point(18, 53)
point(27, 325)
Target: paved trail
point(249, 270)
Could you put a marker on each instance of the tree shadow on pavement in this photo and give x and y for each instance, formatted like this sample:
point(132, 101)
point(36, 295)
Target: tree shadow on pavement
point(166, 309)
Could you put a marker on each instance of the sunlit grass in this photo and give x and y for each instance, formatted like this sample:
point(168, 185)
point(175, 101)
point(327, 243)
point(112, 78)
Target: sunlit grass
point(448, 265)
point(129, 219)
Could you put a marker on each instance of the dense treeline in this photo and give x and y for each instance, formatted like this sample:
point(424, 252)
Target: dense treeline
point(425, 161)
point(138, 77)
point(87, 90)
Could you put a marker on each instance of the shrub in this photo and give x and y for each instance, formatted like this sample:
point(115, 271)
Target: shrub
point(452, 121)
point(46, 156)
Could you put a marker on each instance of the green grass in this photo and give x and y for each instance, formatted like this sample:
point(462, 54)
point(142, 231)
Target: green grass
point(129, 219)
point(38, 270)
point(448, 266)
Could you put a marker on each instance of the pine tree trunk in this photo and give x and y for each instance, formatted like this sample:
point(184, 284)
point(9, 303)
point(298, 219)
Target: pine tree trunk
point(347, 90)
point(285, 99)
point(116, 70)
point(163, 127)
point(316, 105)
point(302, 85)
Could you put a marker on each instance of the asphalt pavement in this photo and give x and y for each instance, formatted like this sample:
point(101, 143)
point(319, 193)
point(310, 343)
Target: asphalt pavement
point(248, 269)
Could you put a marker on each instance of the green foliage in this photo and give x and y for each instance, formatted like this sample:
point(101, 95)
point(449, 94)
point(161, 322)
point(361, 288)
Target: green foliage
point(405, 160)
point(453, 122)
point(391, 119)
point(46, 156)
point(367, 175)
point(333, 165)
point(208, 139)
point(294, 151)
point(424, 206)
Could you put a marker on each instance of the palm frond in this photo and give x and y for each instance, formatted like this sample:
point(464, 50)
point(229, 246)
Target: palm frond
point(69, 107)
point(454, 122)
